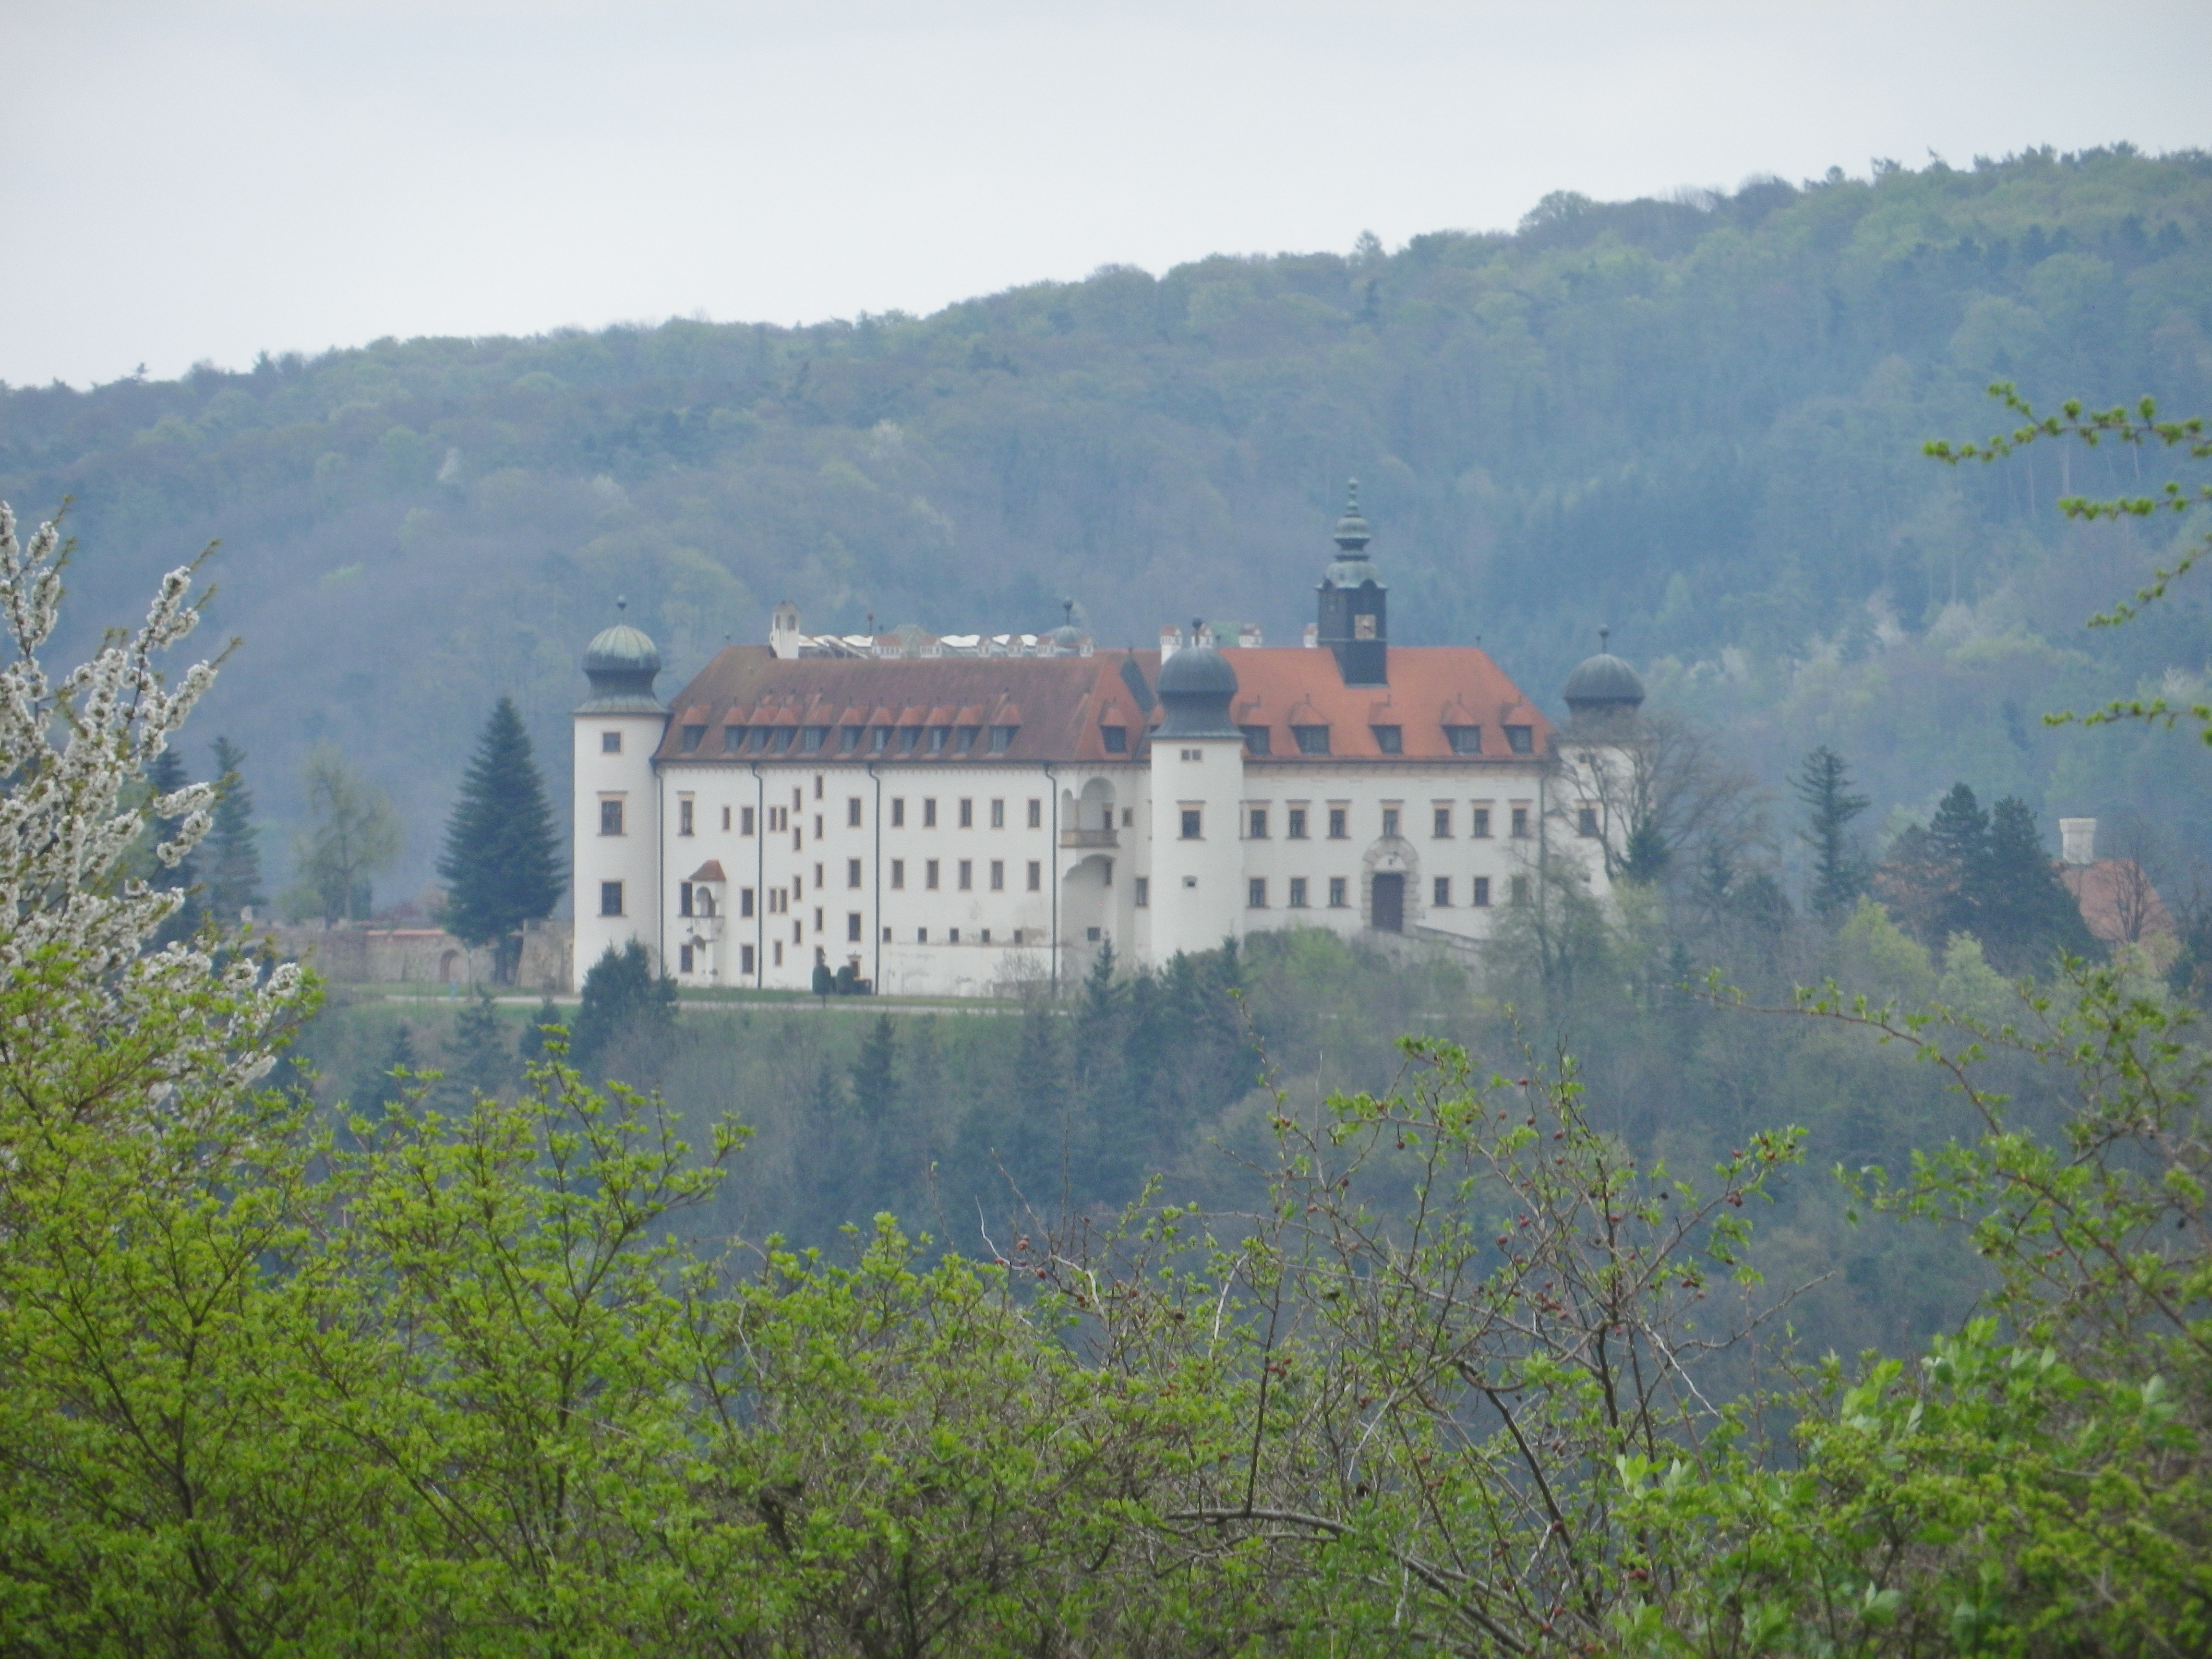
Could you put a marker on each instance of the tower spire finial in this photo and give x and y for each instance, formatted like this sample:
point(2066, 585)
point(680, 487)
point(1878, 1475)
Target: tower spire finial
point(1604, 637)
point(621, 602)
point(1351, 532)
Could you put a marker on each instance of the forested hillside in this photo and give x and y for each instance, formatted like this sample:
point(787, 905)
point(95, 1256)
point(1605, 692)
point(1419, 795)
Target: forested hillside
point(1697, 420)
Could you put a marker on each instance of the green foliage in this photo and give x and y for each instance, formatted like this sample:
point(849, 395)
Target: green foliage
point(234, 880)
point(624, 1001)
point(352, 834)
point(501, 863)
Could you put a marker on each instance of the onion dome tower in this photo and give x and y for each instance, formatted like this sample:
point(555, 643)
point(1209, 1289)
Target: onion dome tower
point(1196, 686)
point(621, 662)
point(1603, 687)
point(1354, 617)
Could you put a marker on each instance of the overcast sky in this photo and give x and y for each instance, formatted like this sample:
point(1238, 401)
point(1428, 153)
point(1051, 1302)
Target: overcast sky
point(195, 181)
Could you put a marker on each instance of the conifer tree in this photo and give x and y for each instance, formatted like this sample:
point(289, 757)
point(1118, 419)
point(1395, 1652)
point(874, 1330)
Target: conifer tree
point(535, 1035)
point(622, 994)
point(1824, 784)
point(502, 865)
point(1958, 835)
point(234, 877)
point(875, 1073)
point(166, 775)
point(2027, 914)
point(481, 1062)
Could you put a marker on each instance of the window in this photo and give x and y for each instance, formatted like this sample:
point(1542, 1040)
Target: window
point(967, 875)
point(779, 953)
point(1481, 895)
point(929, 813)
point(682, 958)
point(898, 811)
point(1478, 823)
point(1144, 891)
point(852, 811)
point(1336, 899)
point(1037, 876)
point(692, 737)
point(1521, 739)
point(984, 936)
point(1338, 829)
point(887, 936)
point(1464, 740)
point(1128, 817)
point(1390, 821)
point(1440, 824)
point(818, 826)
point(744, 901)
point(684, 816)
point(852, 872)
point(998, 815)
point(1092, 934)
point(1312, 739)
point(1297, 892)
point(1520, 890)
point(1256, 893)
point(817, 784)
point(849, 740)
point(799, 883)
point(1002, 738)
point(1586, 820)
point(898, 873)
point(1390, 740)
point(939, 736)
point(733, 738)
point(952, 936)
point(921, 936)
point(726, 819)
point(967, 813)
point(1363, 626)
point(998, 875)
point(929, 875)
point(1116, 738)
point(1441, 895)
point(611, 743)
point(963, 740)
point(610, 898)
point(744, 820)
point(852, 926)
point(1294, 825)
point(684, 900)
point(810, 741)
point(1190, 824)
point(1036, 815)
point(1193, 754)
point(1259, 739)
point(1521, 823)
point(744, 960)
point(610, 817)
point(1258, 827)
point(908, 736)
point(879, 738)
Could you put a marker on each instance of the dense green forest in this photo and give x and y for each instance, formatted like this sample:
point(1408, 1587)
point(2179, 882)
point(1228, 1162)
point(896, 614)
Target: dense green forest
point(1697, 420)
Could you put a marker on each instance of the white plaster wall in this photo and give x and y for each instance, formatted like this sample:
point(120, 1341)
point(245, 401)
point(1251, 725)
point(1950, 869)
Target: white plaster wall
point(1197, 886)
point(632, 858)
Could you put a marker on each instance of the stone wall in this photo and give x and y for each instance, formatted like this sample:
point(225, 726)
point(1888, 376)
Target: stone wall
point(362, 953)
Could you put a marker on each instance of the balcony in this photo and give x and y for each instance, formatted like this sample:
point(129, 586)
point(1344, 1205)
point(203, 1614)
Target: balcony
point(1088, 838)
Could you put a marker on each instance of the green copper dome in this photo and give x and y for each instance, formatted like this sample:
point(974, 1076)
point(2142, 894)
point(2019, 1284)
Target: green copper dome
point(621, 662)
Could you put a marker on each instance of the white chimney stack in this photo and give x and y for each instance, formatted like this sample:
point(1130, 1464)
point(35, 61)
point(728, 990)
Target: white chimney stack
point(1248, 636)
point(1171, 640)
point(2077, 840)
point(783, 631)
point(1312, 641)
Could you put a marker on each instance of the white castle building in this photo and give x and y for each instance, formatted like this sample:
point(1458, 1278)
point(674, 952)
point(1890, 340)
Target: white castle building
point(972, 814)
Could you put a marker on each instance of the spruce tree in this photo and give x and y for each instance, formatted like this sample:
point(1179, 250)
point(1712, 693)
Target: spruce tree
point(875, 1073)
point(165, 777)
point(622, 994)
point(536, 1034)
point(1824, 784)
point(502, 865)
point(2027, 914)
point(1958, 835)
point(234, 877)
point(479, 1061)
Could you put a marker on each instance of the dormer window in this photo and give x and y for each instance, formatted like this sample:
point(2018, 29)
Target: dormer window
point(1116, 738)
point(1521, 739)
point(1258, 739)
point(1389, 739)
point(1312, 739)
point(1464, 740)
point(810, 741)
point(733, 738)
point(963, 740)
point(937, 735)
point(1002, 738)
point(692, 738)
point(879, 738)
point(908, 737)
point(782, 739)
point(849, 740)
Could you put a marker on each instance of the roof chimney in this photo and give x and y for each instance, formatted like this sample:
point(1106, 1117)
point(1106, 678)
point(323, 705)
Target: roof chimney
point(1171, 640)
point(1248, 636)
point(783, 631)
point(1312, 641)
point(2077, 840)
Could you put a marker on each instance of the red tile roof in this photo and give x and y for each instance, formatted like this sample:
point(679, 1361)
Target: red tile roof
point(1057, 704)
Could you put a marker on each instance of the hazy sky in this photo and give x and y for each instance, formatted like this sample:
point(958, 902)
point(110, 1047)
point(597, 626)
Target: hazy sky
point(189, 181)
